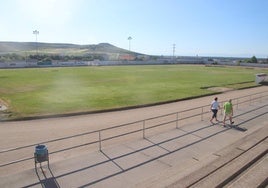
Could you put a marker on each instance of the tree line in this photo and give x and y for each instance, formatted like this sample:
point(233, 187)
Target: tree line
point(49, 57)
point(90, 57)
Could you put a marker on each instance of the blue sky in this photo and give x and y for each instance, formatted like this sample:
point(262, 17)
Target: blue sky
point(237, 28)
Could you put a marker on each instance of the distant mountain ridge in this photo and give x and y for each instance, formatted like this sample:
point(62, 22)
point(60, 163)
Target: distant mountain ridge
point(20, 47)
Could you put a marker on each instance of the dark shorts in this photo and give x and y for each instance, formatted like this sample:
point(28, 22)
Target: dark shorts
point(215, 111)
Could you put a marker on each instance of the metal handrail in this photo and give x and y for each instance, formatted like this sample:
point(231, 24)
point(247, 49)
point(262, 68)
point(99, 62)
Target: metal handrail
point(142, 129)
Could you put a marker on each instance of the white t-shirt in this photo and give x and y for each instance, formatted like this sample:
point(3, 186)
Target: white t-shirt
point(214, 105)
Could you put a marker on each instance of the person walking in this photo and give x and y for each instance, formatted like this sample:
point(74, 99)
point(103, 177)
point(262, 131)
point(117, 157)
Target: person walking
point(214, 108)
point(228, 111)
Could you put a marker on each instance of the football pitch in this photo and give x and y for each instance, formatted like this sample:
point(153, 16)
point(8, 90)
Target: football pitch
point(47, 91)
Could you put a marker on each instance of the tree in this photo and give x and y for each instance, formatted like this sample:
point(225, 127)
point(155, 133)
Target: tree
point(254, 59)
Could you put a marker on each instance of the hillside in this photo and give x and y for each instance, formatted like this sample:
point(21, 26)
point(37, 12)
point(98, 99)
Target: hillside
point(31, 48)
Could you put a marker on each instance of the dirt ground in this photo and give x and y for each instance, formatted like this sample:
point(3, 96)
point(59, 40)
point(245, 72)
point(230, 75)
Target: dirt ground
point(20, 133)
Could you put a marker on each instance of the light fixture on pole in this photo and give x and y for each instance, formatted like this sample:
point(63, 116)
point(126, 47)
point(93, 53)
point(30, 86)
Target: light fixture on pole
point(35, 32)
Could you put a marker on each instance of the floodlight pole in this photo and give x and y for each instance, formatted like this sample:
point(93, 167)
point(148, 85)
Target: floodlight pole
point(35, 32)
point(129, 39)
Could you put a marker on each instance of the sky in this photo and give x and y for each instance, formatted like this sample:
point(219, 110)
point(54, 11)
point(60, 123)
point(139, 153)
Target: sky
point(230, 28)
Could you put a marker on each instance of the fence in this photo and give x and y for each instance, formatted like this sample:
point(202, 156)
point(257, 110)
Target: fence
point(100, 138)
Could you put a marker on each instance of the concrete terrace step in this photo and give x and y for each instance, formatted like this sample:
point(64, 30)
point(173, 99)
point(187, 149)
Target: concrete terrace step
point(254, 176)
point(235, 158)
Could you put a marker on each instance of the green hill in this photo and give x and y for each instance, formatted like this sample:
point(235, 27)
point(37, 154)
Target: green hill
point(63, 49)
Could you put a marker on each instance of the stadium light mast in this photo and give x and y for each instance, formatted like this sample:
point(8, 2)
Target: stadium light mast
point(173, 57)
point(35, 32)
point(129, 39)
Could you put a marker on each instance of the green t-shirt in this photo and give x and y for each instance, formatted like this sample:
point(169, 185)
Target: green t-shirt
point(228, 107)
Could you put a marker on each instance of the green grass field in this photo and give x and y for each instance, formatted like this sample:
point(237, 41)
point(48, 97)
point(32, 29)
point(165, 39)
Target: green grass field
point(46, 91)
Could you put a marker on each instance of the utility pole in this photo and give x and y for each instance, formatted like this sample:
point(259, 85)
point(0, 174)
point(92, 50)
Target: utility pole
point(35, 32)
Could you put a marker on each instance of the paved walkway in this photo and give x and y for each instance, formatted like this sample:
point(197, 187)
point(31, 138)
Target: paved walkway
point(157, 161)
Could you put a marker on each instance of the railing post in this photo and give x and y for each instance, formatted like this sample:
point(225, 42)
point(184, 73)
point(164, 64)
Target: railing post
point(99, 140)
point(143, 129)
point(177, 123)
